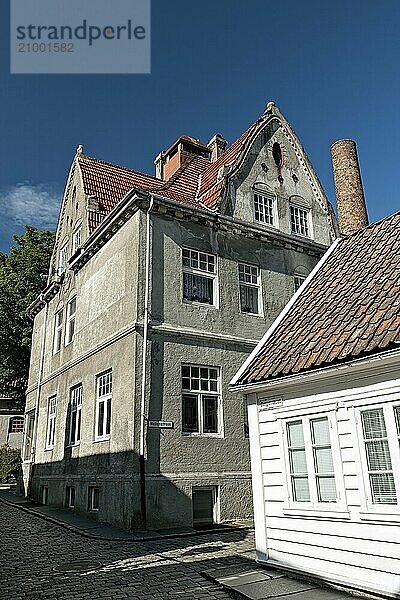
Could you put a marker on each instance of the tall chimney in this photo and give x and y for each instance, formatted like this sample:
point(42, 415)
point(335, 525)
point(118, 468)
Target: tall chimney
point(350, 201)
point(217, 145)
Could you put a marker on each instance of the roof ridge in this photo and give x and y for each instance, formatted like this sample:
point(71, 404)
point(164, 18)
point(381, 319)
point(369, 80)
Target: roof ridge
point(105, 162)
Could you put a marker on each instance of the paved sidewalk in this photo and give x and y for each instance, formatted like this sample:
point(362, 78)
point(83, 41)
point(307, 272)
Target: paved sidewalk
point(179, 562)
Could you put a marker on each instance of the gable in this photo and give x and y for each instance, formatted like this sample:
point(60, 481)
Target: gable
point(274, 165)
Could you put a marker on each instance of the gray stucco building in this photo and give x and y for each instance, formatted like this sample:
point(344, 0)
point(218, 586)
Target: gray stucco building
point(159, 288)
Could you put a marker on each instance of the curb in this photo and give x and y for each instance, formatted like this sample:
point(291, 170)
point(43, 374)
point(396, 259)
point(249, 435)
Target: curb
point(93, 536)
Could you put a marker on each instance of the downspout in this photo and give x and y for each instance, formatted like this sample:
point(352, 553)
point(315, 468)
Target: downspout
point(143, 418)
point(31, 459)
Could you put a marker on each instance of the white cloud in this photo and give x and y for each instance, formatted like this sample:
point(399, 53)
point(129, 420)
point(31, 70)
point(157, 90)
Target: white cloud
point(26, 204)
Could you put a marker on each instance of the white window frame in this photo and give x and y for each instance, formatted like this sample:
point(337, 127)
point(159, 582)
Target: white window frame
point(92, 489)
point(308, 220)
point(370, 507)
point(252, 284)
point(70, 496)
point(298, 281)
point(70, 321)
point(199, 393)
point(63, 259)
point(76, 239)
point(314, 504)
point(51, 422)
point(214, 489)
point(58, 329)
point(268, 217)
point(197, 256)
point(75, 418)
point(103, 405)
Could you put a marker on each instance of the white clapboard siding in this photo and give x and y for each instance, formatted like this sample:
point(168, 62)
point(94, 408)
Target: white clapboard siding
point(382, 564)
point(366, 549)
point(344, 529)
point(359, 578)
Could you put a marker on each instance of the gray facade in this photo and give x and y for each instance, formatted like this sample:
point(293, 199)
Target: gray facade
point(198, 327)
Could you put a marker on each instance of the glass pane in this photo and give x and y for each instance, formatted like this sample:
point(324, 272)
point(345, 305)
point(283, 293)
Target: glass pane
point(298, 463)
point(78, 427)
point(326, 489)
point(320, 431)
point(108, 420)
point(373, 423)
point(190, 417)
point(295, 434)
point(100, 423)
point(197, 288)
point(210, 414)
point(397, 415)
point(249, 299)
point(323, 460)
point(383, 489)
point(301, 492)
point(378, 455)
point(185, 371)
point(73, 427)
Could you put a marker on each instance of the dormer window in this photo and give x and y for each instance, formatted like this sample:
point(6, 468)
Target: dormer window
point(265, 208)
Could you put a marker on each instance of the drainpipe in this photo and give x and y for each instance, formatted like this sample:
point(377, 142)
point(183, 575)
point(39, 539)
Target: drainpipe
point(143, 418)
point(38, 390)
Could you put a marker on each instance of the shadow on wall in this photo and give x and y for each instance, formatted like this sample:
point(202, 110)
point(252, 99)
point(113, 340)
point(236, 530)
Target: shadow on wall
point(106, 487)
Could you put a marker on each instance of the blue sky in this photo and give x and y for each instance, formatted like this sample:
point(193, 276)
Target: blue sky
point(331, 67)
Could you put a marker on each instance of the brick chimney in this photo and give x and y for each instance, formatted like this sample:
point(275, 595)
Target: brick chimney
point(169, 161)
point(350, 201)
point(217, 146)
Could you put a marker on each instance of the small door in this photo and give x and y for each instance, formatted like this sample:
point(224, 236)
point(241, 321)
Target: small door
point(204, 505)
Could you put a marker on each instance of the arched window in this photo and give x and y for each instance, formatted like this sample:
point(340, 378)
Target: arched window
point(16, 425)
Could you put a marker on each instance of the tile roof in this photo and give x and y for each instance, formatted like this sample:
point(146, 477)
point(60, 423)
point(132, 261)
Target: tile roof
point(109, 183)
point(350, 308)
point(196, 182)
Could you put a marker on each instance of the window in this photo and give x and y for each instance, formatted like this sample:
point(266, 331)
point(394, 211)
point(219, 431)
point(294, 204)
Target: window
point(44, 492)
point(75, 415)
point(199, 277)
point(264, 208)
point(76, 240)
point(16, 425)
point(51, 421)
point(298, 281)
point(298, 462)
point(311, 469)
point(94, 498)
point(103, 406)
point(379, 464)
point(70, 497)
point(70, 326)
point(63, 259)
point(30, 426)
point(201, 400)
point(249, 284)
point(299, 220)
point(58, 329)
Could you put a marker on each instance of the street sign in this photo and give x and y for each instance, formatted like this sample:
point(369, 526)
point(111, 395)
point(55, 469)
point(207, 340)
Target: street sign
point(161, 424)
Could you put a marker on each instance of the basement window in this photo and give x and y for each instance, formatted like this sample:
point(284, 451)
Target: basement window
point(93, 498)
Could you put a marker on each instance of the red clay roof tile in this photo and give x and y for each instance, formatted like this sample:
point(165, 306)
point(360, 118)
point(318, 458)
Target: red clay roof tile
point(350, 308)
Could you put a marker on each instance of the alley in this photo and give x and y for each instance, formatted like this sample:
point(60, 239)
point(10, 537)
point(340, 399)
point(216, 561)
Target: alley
point(43, 561)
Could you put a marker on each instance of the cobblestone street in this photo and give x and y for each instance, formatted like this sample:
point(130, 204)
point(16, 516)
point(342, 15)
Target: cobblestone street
point(44, 561)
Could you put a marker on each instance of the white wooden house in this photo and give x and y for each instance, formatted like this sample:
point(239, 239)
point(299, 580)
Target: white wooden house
point(323, 391)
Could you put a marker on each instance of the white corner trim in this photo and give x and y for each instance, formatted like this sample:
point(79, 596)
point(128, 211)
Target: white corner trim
point(284, 312)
